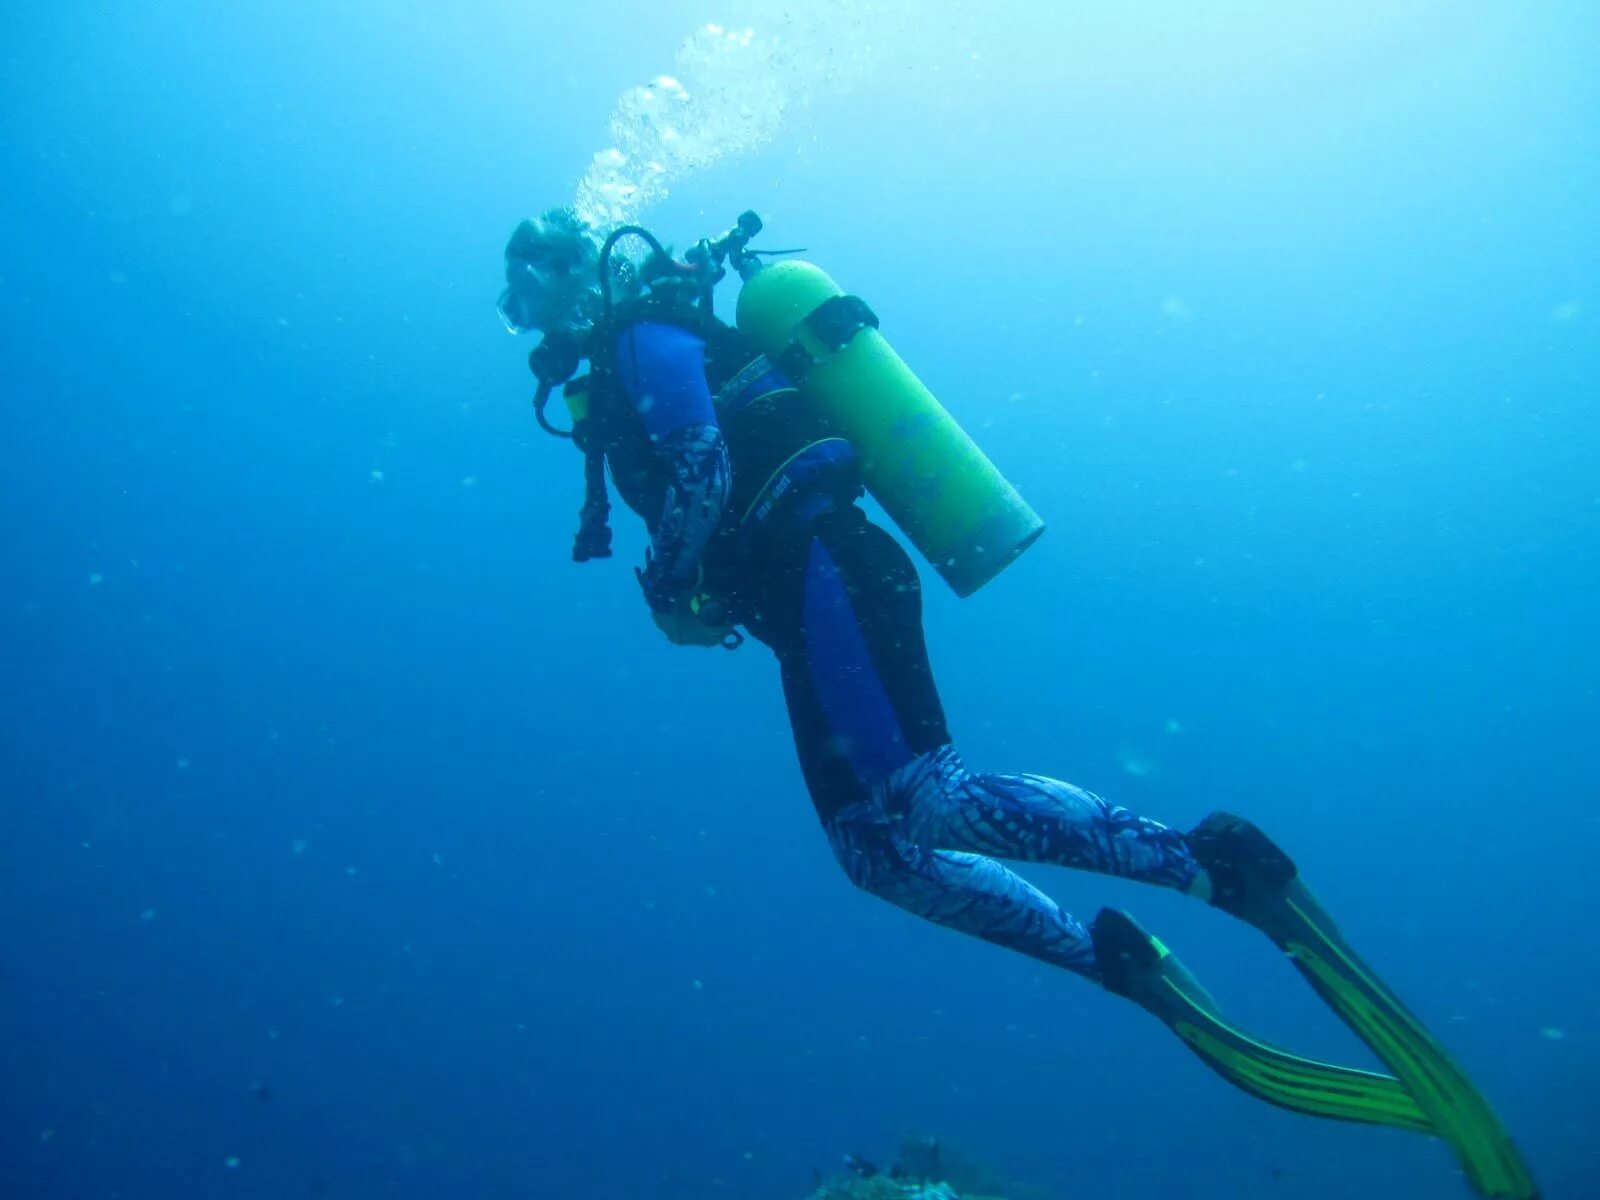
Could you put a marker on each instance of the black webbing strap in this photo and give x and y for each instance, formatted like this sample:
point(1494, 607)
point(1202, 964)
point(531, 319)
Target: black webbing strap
point(835, 323)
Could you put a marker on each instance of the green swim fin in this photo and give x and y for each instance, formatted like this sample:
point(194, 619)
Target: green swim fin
point(1137, 966)
point(1257, 882)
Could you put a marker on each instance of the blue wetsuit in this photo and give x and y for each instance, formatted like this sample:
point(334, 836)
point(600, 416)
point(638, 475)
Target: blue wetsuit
point(838, 601)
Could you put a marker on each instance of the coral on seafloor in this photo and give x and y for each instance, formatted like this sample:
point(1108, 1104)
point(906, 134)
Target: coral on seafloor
point(881, 1187)
point(926, 1168)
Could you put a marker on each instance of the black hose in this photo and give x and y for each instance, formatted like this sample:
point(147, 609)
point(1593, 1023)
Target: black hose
point(617, 235)
point(540, 399)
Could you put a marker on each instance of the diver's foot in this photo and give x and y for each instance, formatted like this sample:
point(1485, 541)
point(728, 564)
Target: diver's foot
point(1245, 871)
point(1254, 880)
point(1139, 967)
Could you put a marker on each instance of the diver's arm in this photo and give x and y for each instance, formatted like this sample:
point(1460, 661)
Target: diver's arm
point(699, 460)
point(662, 370)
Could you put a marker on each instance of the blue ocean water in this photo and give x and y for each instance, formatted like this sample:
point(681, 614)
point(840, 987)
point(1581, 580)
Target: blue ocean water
point(357, 844)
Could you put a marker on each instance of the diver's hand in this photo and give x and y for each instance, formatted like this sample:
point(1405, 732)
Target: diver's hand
point(684, 614)
point(684, 627)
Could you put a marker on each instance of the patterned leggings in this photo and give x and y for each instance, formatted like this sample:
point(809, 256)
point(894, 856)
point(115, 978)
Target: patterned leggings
point(842, 609)
point(927, 841)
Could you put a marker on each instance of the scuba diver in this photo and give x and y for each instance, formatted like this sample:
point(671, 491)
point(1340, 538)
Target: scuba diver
point(745, 448)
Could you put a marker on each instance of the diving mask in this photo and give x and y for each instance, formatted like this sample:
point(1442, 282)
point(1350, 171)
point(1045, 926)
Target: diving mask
point(549, 274)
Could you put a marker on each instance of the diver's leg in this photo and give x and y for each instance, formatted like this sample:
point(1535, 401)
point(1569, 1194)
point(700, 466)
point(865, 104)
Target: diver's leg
point(841, 607)
point(1032, 818)
point(978, 896)
point(965, 892)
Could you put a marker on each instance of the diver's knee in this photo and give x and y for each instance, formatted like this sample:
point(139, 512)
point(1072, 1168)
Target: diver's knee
point(869, 850)
point(924, 793)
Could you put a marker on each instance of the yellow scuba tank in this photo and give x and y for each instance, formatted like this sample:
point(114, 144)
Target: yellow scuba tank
point(930, 477)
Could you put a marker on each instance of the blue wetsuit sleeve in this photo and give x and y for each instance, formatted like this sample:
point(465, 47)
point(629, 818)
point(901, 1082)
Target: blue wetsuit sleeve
point(662, 369)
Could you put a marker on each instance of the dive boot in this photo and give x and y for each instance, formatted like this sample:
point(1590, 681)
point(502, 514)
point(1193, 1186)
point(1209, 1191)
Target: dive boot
point(1137, 966)
point(1254, 880)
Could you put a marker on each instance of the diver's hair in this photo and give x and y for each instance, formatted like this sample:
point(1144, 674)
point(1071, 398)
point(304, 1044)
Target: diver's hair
point(555, 235)
point(559, 238)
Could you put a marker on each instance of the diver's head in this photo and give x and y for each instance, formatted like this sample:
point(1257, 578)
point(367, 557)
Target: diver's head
point(551, 280)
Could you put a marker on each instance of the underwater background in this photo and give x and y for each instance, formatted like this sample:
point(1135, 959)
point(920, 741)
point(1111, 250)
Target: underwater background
point(355, 843)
